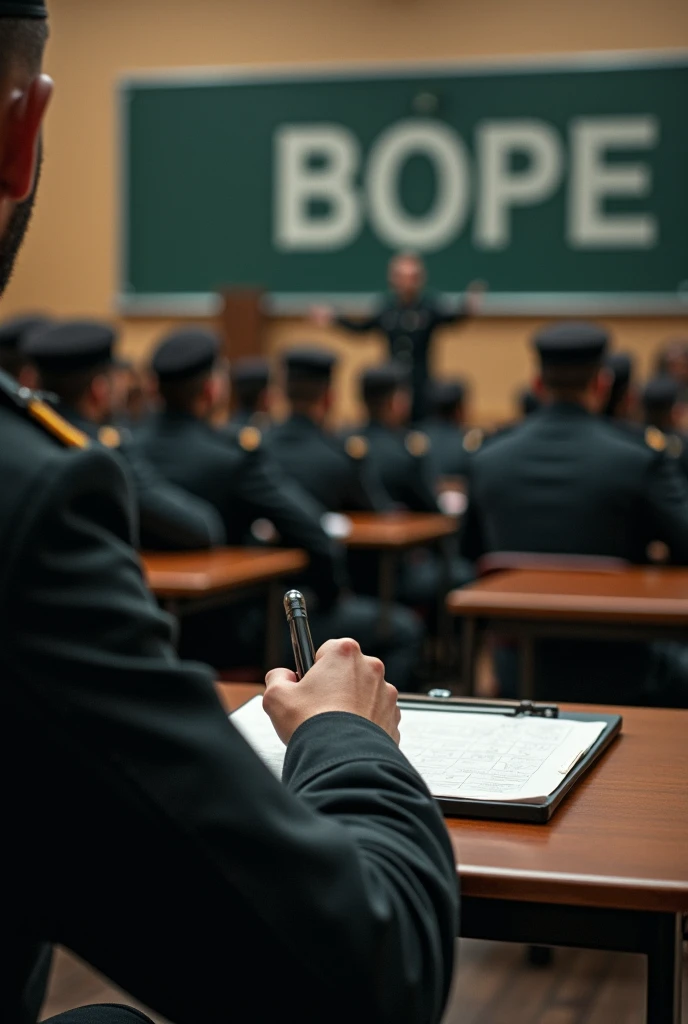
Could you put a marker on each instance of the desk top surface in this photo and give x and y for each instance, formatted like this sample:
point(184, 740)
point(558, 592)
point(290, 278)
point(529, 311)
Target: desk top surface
point(397, 529)
point(189, 574)
point(620, 838)
point(636, 595)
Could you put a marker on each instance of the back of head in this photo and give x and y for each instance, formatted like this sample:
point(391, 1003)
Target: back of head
point(660, 398)
point(308, 377)
point(386, 392)
point(183, 363)
point(12, 335)
point(250, 379)
point(445, 399)
point(672, 360)
point(69, 356)
point(571, 355)
point(620, 366)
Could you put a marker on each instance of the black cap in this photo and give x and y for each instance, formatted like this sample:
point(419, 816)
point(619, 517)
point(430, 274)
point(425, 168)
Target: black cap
point(253, 372)
point(571, 344)
point(70, 347)
point(309, 364)
point(185, 354)
point(621, 366)
point(445, 394)
point(384, 380)
point(13, 332)
point(661, 393)
point(23, 9)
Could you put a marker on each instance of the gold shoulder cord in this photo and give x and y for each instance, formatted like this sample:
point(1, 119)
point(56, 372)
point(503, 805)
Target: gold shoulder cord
point(56, 425)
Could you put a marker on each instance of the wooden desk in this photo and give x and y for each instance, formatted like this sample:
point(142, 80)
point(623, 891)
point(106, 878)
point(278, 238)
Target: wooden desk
point(190, 581)
point(609, 871)
point(635, 603)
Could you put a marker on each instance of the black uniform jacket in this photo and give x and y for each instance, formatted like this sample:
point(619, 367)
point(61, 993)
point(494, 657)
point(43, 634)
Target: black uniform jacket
point(567, 482)
point(233, 471)
point(142, 833)
point(168, 517)
point(338, 474)
point(402, 458)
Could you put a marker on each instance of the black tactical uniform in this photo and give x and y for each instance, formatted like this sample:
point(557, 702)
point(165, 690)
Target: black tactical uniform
point(409, 330)
point(448, 454)
point(176, 852)
point(168, 517)
point(337, 473)
point(237, 475)
point(568, 482)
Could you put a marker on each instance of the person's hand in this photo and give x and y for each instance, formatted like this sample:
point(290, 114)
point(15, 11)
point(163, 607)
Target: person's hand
point(473, 299)
point(322, 316)
point(342, 679)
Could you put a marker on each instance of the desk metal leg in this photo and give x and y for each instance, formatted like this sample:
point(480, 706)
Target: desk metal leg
point(469, 639)
point(664, 969)
point(385, 587)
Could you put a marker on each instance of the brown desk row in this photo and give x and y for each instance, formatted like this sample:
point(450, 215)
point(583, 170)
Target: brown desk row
point(609, 871)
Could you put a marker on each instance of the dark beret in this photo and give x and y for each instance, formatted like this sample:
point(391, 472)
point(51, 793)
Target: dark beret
point(309, 364)
point(621, 365)
point(70, 347)
point(384, 380)
point(13, 332)
point(661, 393)
point(255, 372)
point(445, 394)
point(185, 354)
point(23, 9)
point(571, 344)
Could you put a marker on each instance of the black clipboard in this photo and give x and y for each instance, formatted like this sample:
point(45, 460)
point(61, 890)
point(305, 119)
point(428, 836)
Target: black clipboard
point(495, 810)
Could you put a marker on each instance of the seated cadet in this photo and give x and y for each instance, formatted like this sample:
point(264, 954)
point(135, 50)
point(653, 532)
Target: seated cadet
point(74, 362)
point(176, 854)
point(12, 333)
point(662, 410)
point(444, 426)
point(236, 474)
point(566, 481)
point(621, 403)
point(337, 474)
point(401, 456)
point(250, 396)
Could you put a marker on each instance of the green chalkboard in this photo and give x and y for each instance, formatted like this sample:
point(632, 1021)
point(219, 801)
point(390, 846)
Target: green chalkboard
point(564, 184)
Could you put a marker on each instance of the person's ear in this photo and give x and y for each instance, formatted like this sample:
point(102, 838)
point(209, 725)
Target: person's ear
point(539, 387)
point(21, 132)
point(28, 377)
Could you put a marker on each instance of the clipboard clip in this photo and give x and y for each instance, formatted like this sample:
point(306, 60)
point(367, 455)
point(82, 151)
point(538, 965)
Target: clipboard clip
point(526, 708)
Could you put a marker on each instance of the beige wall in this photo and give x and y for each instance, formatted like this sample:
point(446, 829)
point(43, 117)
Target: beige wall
point(69, 261)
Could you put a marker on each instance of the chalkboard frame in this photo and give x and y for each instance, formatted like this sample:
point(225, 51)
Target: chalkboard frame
point(499, 304)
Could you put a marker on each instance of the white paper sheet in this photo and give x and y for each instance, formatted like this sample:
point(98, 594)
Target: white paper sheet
point(463, 754)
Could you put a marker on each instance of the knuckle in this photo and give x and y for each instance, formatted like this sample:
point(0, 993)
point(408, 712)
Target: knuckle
point(377, 667)
point(347, 647)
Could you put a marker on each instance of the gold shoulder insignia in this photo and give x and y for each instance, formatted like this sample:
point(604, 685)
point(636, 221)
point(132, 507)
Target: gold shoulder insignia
point(356, 446)
point(110, 437)
point(56, 425)
point(417, 443)
point(674, 447)
point(250, 438)
point(655, 439)
point(473, 440)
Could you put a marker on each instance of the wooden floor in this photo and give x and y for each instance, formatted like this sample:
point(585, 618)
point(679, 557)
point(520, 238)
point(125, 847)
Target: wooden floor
point(493, 985)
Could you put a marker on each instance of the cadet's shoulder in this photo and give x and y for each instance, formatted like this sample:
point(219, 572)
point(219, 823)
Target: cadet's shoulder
point(244, 441)
point(646, 441)
point(476, 440)
point(356, 446)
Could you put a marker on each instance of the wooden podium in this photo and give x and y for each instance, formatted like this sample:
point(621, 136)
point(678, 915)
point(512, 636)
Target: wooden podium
point(242, 322)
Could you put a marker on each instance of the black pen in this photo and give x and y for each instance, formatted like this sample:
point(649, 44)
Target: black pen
point(301, 640)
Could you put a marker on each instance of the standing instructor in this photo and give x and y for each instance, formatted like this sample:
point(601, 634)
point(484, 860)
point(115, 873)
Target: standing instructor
point(409, 318)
